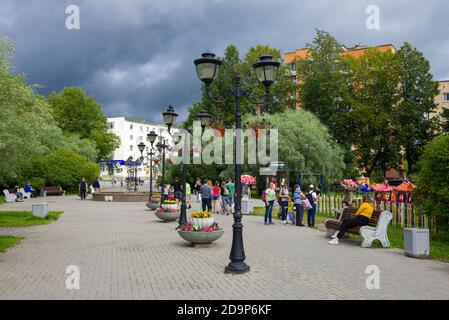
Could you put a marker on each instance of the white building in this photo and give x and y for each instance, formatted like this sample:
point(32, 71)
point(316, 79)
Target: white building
point(131, 133)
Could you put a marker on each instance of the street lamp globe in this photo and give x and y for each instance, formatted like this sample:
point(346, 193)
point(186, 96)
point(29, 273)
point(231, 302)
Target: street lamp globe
point(169, 117)
point(151, 137)
point(266, 70)
point(205, 118)
point(207, 67)
point(141, 147)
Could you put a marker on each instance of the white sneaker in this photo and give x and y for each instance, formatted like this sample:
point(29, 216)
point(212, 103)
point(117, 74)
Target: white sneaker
point(335, 235)
point(284, 222)
point(334, 241)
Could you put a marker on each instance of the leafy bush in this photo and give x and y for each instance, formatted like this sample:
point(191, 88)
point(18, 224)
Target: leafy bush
point(433, 182)
point(61, 167)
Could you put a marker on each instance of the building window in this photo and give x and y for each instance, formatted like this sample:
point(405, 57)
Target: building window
point(446, 97)
point(141, 129)
point(148, 129)
point(131, 126)
point(111, 125)
point(131, 137)
point(131, 148)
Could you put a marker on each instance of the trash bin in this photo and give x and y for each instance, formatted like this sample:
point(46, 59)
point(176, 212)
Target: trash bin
point(40, 210)
point(416, 242)
point(247, 206)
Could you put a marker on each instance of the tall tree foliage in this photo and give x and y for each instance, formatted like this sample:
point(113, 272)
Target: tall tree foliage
point(374, 98)
point(433, 182)
point(372, 104)
point(28, 128)
point(324, 86)
point(417, 100)
point(77, 113)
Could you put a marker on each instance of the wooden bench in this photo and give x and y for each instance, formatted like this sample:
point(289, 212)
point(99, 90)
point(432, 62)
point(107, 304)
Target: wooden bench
point(53, 191)
point(376, 229)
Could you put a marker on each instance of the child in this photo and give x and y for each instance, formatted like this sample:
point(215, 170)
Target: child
point(291, 212)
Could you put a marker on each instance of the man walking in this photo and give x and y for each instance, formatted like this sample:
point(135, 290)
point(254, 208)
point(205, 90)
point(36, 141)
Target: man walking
point(82, 188)
point(231, 191)
point(206, 196)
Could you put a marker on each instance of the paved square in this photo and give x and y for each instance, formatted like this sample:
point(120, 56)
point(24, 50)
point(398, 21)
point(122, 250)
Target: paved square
point(124, 252)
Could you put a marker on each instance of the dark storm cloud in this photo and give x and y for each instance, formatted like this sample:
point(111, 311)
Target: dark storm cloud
point(135, 57)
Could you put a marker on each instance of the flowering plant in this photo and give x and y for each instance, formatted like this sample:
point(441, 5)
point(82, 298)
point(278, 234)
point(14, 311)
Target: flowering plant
point(196, 228)
point(201, 214)
point(169, 202)
point(156, 196)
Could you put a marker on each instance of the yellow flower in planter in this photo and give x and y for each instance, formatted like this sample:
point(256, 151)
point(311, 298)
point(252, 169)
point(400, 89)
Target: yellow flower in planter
point(201, 214)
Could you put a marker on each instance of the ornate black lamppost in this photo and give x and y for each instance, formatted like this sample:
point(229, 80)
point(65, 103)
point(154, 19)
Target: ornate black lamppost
point(162, 147)
point(133, 166)
point(151, 137)
point(204, 118)
point(266, 70)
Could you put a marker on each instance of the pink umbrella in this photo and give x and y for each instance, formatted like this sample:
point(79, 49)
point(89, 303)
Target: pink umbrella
point(247, 179)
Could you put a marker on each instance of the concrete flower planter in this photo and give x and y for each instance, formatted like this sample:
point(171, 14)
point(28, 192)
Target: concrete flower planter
point(152, 205)
point(167, 215)
point(203, 222)
point(200, 237)
point(169, 207)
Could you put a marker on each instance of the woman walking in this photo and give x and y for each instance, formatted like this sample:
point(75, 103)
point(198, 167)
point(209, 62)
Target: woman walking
point(283, 201)
point(216, 191)
point(298, 198)
point(224, 198)
point(270, 197)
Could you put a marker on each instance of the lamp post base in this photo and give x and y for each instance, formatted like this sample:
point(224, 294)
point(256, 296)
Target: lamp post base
point(237, 268)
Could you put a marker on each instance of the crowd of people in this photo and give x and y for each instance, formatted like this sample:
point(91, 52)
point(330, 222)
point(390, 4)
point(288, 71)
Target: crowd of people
point(215, 197)
point(292, 203)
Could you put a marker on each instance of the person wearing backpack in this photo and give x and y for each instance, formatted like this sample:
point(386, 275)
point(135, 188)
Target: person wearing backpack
point(311, 196)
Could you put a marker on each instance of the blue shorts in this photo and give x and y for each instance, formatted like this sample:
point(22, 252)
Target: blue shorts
point(215, 197)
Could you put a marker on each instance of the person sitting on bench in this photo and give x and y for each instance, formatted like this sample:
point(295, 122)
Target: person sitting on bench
point(362, 217)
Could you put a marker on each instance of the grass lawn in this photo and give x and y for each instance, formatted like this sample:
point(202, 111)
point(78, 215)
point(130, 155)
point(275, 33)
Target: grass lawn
point(8, 242)
point(438, 250)
point(25, 218)
point(2, 199)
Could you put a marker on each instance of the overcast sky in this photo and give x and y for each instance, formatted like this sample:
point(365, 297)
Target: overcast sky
point(136, 56)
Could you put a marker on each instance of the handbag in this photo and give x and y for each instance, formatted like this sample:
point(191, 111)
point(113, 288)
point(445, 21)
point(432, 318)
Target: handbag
point(306, 204)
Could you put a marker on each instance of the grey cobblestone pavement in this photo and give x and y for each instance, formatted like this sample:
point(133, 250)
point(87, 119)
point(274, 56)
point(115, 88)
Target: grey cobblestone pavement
point(124, 252)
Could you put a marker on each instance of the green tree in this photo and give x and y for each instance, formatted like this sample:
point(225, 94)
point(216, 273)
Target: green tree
point(77, 113)
point(417, 100)
point(433, 182)
point(27, 128)
point(305, 144)
point(324, 86)
point(374, 98)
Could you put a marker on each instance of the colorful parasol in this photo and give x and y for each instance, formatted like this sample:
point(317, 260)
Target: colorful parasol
point(349, 184)
point(247, 179)
point(405, 187)
point(383, 187)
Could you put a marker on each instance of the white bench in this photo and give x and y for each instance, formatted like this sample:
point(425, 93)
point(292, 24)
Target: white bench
point(369, 234)
point(25, 194)
point(10, 197)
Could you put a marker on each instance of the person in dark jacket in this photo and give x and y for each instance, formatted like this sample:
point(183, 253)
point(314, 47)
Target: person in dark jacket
point(82, 188)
